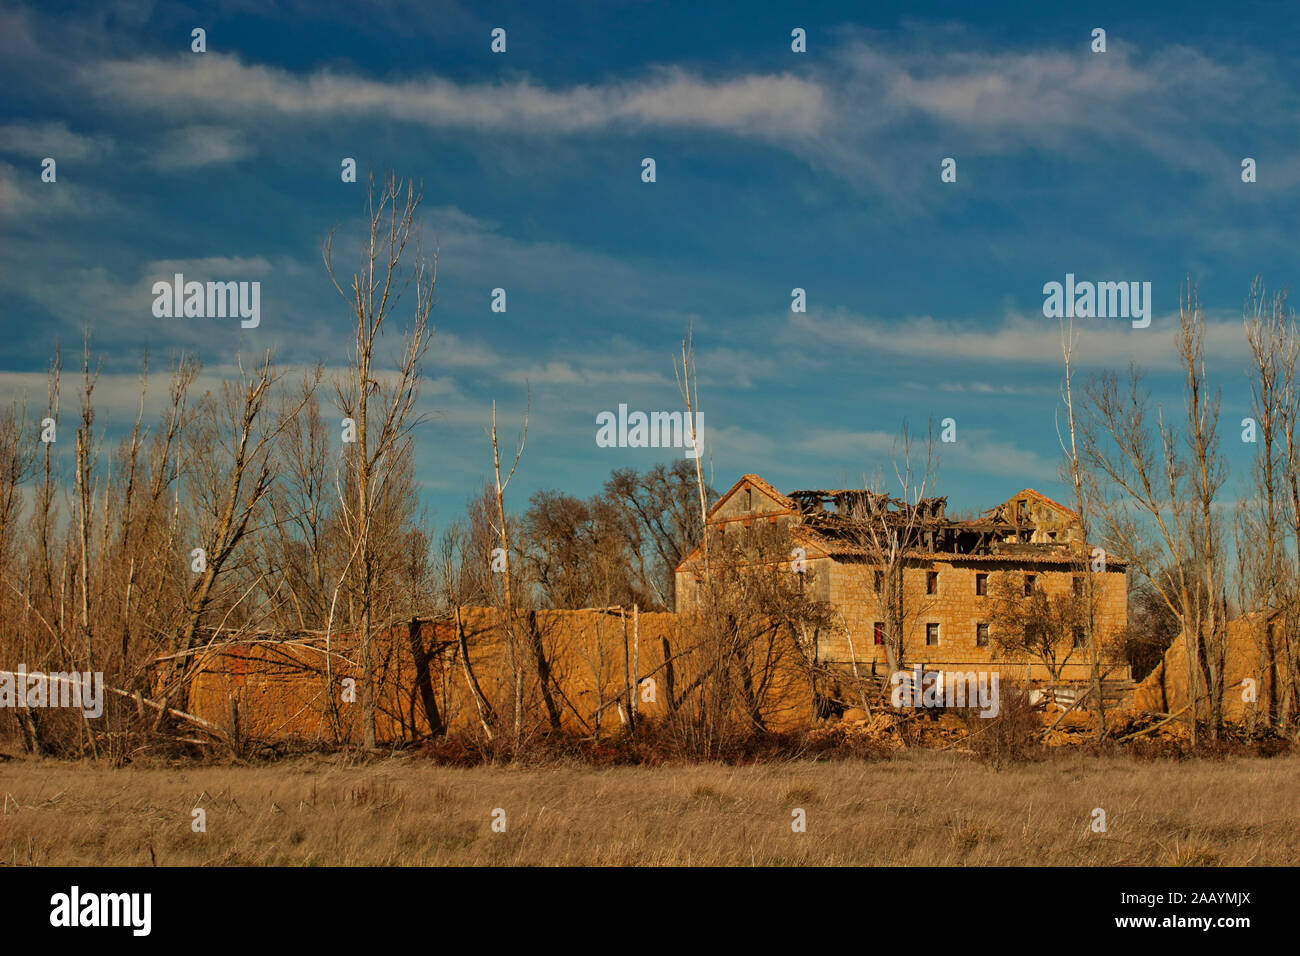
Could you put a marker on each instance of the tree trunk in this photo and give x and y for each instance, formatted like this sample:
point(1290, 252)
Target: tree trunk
point(423, 680)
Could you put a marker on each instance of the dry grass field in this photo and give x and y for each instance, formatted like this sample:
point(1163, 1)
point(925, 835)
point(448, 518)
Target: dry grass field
point(920, 808)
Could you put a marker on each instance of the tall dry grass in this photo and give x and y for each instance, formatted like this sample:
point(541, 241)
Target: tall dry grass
point(920, 808)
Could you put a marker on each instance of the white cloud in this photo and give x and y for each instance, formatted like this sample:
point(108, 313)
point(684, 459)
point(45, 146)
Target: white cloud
point(117, 394)
point(216, 267)
point(23, 195)
point(38, 140)
point(1018, 339)
point(587, 373)
point(451, 350)
point(195, 146)
point(1059, 99)
point(220, 84)
point(841, 114)
point(977, 451)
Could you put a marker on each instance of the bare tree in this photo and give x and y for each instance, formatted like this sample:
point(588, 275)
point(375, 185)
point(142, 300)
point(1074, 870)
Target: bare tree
point(296, 553)
point(688, 385)
point(17, 463)
point(1079, 482)
point(1263, 530)
point(663, 521)
point(381, 407)
point(578, 553)
point(745, 638)
point(1157, 487)
point(502, 529)
point(891, 533)
point(461, 585)
point(1032, 623)
point(228, 460)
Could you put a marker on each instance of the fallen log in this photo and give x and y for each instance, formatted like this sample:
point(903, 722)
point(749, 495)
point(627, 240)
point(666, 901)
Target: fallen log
point(141, 700)
point(1173, 716)
point(199, 722)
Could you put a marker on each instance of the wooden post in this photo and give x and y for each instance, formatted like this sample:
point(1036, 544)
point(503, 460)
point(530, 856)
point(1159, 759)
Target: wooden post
point(627, 677)
point(636, 665)
point(234, 725)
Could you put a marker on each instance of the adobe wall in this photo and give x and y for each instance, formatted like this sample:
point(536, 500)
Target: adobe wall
point(1164, 690)
point(280, 688)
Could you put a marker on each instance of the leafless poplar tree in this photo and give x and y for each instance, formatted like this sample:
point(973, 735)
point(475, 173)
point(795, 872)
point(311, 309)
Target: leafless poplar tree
point(228, 462)
point(1266, 527)
point(381, 406)
point(1156, 503)
point(1086, 609)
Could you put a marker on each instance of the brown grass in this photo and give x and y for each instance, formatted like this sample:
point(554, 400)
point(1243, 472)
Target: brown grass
point(920, 808)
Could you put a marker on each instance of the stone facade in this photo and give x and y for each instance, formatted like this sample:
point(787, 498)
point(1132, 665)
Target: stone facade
point(947, 594)
point(942, 629)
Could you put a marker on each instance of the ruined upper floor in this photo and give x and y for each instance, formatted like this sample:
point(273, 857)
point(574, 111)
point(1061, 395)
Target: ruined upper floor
point(852, 520)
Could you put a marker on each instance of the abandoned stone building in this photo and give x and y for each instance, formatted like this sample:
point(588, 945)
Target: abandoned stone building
point(948, 569)
point(949, 573)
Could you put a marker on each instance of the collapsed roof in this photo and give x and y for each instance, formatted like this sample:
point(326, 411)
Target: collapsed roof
point(859, 521)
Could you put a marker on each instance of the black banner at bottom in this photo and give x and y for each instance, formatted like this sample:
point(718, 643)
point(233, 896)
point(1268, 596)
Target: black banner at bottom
point(331, 905)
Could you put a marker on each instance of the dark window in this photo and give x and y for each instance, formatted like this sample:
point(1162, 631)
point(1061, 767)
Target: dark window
point(1022, 512)
point(981, 635)
point(981, 584)
point(931, 635)
point(1080, 639)
point(1029, 583)
point(931, 582)
point(880, 632)
point(879, 579)
point(749, 499)
point(1078, 586)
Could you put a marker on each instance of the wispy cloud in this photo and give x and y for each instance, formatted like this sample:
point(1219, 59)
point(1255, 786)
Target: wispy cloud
point(1017, 339)
point(1159, 100)
point(569, 373)
point(53, 139)
point(874, 453)
point(195, 146)
point(840, 112)
point(210, 267)
point(23, 195)
point(222, 85)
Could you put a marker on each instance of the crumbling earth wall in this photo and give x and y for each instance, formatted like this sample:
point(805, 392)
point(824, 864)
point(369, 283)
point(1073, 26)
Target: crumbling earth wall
point(281, 689)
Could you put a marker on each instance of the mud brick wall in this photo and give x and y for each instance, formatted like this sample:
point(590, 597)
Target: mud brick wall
point(1251, 645)
point(280, 688)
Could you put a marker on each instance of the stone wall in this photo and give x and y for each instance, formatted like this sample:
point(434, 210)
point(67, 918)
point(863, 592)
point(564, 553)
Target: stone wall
point(848, 586)
point(957, 609)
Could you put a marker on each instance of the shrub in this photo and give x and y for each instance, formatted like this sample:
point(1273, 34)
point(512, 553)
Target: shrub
point(1010, 737)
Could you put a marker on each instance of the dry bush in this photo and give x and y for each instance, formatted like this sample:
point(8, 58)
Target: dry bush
point(1010, 737)
point(656, 743)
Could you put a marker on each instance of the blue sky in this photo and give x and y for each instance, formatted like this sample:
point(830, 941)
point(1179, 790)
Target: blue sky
point(775, 170)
